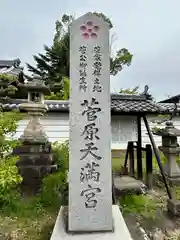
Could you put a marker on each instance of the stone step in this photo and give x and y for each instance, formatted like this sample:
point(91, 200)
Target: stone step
point(128, 185)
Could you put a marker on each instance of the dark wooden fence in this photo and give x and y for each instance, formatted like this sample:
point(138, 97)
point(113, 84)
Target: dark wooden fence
point(130, 161)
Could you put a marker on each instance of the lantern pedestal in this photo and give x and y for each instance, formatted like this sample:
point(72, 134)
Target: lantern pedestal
point(35, 152)
point(171, 168)
point(170, 150)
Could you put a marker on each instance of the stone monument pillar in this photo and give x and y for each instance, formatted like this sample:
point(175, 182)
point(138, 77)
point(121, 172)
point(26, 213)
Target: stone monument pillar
point(91, 215)
point(170, 150)
point(35, 152)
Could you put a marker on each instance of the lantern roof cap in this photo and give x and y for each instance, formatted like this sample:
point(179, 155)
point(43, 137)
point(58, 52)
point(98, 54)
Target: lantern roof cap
point(36, 85)
point(169, 130)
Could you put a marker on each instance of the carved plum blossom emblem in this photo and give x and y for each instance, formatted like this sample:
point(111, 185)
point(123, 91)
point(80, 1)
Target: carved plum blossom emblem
point(89, 30)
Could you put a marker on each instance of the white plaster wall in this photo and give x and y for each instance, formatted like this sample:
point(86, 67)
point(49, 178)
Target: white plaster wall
point(145, 138)
point(123, 129)
point(56, 126)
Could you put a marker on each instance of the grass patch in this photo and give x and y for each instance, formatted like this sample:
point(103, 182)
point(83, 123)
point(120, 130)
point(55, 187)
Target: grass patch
point(27, 220)
point(142, 205)
point(34, 217)
point(117, 163)
point(36, 228)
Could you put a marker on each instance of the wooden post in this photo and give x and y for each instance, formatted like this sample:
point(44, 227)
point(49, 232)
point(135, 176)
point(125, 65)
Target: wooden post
point(113, 190)
point(125, 169)
point(149, 167)
point(139, 150)
point(131, 159)
point(157, 157)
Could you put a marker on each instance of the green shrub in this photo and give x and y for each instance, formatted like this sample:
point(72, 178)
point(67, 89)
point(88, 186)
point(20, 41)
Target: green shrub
point(8, 126)
point(9, 176)
point(54, 191)
point(9, 181)
point(51, 197)
point(55, 188)
point(61, 155)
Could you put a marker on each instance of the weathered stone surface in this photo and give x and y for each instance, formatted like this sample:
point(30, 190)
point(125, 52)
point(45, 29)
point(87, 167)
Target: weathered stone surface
point(158, 235)
point(120, 230)
point(90, 185)
point(34, 132)
point(128, 185)
point(35, 152)
point(32, 159)
point(33, 175)
point(34, 164)
point(33, 148)
point(170, 150)
point(173, 207)
point(136, 230)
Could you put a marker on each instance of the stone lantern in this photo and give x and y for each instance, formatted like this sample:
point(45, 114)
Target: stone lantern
point(170, 150)
point(35, 152)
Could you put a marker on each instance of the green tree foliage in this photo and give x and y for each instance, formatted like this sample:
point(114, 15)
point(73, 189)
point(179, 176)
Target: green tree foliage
point(8, 120)
point(53, 64)
point(63, 94)
point(7, 86)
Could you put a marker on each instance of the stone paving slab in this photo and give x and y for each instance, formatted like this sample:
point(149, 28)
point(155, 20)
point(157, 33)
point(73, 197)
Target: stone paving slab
point(126, 184)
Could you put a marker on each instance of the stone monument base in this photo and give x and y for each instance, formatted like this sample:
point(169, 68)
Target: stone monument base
point(120, 229)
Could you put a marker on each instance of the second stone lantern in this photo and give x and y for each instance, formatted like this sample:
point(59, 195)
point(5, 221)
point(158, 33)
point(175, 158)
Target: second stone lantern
point(35, 152)
point(170, 150)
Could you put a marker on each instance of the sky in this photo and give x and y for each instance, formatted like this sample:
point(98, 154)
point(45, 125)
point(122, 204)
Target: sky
point(149, 29)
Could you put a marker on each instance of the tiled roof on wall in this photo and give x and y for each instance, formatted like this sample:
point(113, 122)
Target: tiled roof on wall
point(119, 104)
point(11, 67)
point(10, 63)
